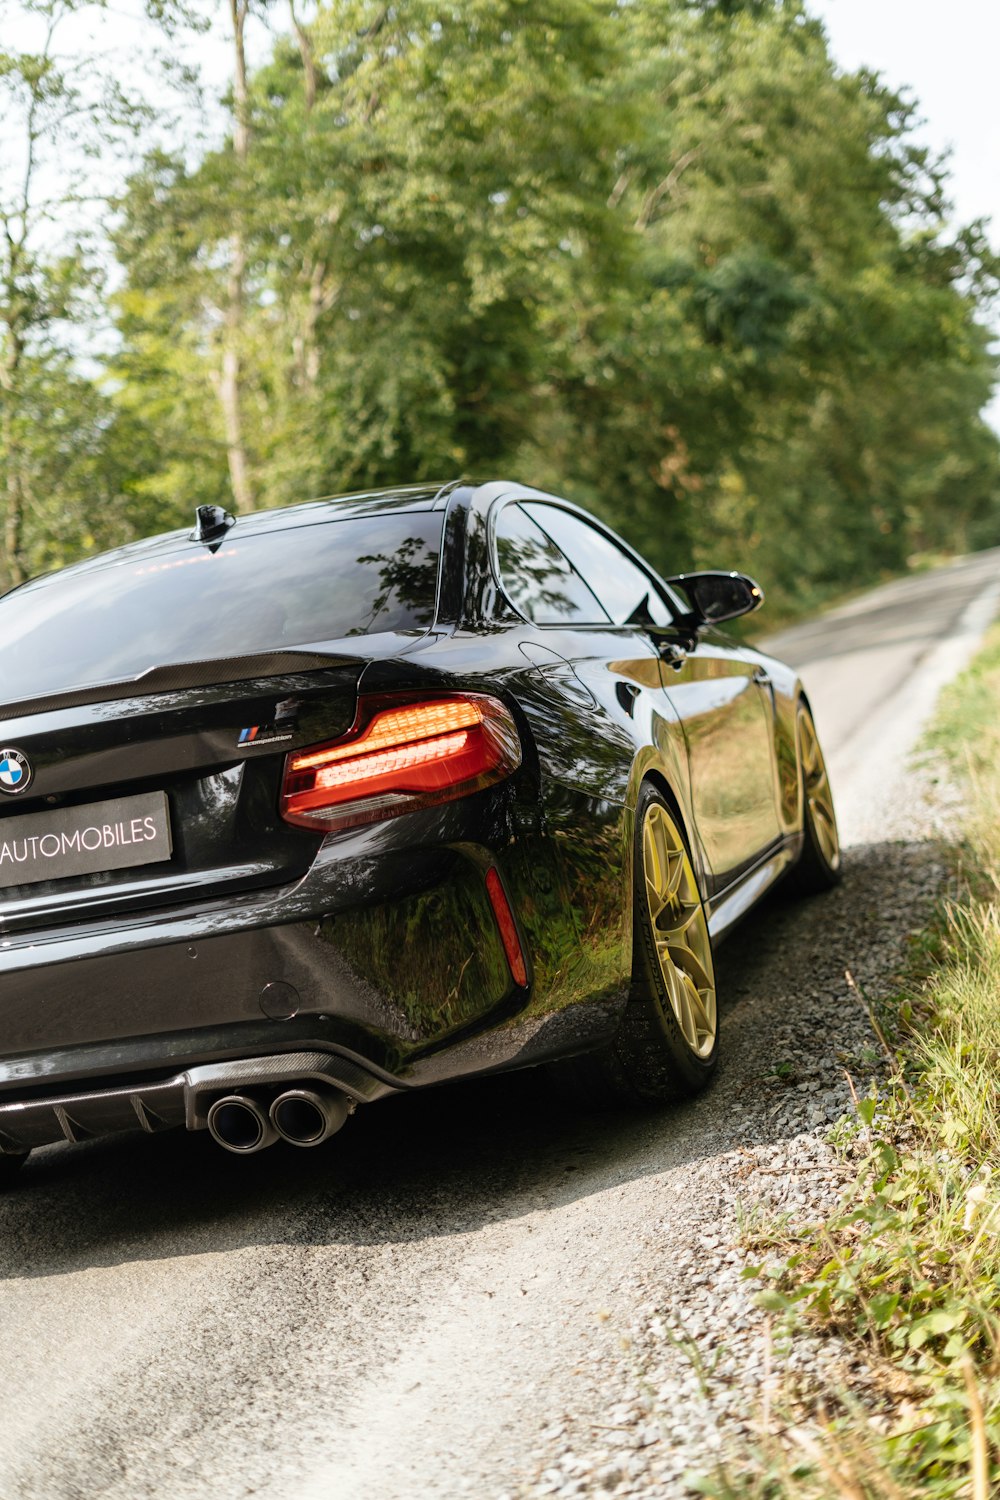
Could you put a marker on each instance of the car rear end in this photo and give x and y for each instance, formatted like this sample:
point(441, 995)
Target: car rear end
point(211, 911)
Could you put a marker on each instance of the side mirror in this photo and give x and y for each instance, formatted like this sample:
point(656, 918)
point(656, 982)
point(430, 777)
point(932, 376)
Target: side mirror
point(715, 597)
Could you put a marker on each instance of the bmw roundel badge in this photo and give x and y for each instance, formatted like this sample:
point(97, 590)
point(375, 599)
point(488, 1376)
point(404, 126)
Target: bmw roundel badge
point(15, 771)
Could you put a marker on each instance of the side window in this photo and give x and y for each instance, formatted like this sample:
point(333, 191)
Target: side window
point(538, 579)
point(627, 593)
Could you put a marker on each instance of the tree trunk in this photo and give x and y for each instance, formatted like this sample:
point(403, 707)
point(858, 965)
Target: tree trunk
point(305, 347)
point(306, 53)
point(229, 385)
point(13, 530)
point(230, 375)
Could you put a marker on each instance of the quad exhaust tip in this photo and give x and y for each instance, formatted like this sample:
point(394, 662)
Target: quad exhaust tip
point(308, 1117)
point(302, 1116)
point(240, 1124)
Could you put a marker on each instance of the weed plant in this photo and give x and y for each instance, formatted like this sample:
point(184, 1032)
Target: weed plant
point(906, 1275)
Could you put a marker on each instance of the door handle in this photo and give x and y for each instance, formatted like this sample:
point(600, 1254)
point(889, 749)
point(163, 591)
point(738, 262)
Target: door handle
point(761, 677)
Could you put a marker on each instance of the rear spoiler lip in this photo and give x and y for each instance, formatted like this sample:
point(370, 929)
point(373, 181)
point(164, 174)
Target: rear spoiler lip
point(212, 672)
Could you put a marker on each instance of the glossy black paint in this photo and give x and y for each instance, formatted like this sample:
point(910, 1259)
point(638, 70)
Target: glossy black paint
point(715, 597)
point(377, 946)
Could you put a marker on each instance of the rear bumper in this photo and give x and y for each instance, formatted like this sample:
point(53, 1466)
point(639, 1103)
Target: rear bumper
point(385, 979)
point(182, 1099)
point(143, 1084)
point(385, 963)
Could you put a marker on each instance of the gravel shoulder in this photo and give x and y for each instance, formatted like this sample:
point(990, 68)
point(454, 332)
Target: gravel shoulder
point(474, 1292)
point(692, 1368)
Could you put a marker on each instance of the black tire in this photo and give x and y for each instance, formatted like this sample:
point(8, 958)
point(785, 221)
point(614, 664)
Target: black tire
point(9, 1167)
point(651, 1060)
point(819, 866)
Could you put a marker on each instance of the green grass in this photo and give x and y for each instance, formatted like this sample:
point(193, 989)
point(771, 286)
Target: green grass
point(907, 1273)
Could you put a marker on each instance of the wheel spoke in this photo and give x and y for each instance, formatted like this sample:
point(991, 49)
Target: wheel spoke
point(676, 875)
point(819, 786)
point(682, 1010)
point(679, 990)
point(689, 919)
point(825, 828)
point(699, 1006)
point(689, 963)
point(651, 860)
point(822, 810)
point(680, 931)
point(657, 859)
point(818, 797)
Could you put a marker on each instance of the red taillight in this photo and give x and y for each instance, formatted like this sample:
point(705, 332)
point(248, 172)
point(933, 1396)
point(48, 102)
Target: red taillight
point(401, 755)
point(507, 926)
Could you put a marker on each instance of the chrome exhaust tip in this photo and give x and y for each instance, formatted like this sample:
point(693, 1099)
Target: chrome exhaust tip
point(308, 1117)
point(238, 1123)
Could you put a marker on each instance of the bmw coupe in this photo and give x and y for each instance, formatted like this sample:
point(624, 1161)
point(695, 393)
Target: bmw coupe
point(318, 805)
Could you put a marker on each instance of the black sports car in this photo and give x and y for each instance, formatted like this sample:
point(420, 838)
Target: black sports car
point(351, 798)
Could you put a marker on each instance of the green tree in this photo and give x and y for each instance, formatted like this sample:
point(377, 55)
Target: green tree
point(64, 118)
point(661, 256)
point(788, 215)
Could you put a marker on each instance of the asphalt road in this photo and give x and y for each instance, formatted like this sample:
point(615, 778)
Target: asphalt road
point(873, 670)
point(405, 1310)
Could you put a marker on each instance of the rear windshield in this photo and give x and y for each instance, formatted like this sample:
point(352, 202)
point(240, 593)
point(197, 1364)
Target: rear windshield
point(302, 586)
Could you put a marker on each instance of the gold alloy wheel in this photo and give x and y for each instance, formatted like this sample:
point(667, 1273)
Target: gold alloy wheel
point(680, 930)
point(819, 798)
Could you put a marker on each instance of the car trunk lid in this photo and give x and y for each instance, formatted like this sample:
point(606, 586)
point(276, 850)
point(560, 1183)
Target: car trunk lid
point(211, 754)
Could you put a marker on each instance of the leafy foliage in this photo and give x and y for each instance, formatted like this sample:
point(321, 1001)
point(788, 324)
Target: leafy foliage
point(661, 256)
point(907, 1273)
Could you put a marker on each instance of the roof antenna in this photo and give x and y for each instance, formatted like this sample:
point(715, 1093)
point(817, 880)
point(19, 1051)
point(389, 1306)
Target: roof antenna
point(211, 523)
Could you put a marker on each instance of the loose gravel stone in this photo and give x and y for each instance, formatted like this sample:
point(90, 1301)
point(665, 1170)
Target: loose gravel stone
point(475, 1292)
point(700, 1349)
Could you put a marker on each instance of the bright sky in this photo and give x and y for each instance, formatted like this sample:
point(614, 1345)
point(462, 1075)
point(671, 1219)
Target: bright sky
point(947, 56)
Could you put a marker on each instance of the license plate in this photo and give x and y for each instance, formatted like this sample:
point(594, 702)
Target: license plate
point(88, 840)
